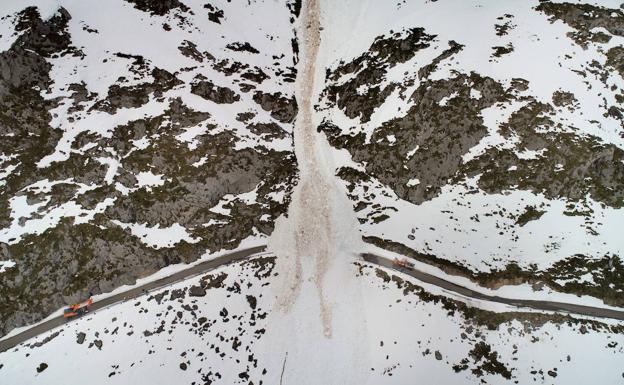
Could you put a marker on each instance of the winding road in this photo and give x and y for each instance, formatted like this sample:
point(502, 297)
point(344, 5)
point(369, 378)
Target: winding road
point(520, 303)
point(135, 292)
point(212, 264)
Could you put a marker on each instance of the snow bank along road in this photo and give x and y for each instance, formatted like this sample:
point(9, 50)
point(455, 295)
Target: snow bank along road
point(520, 303)
point(135, 292)
point(203, 267)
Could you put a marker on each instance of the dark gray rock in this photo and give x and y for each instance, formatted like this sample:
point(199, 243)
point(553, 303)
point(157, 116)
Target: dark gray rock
point(220, 95)
point(281, 108)
point(158, 7)
point(197, 291)
point(46, 340)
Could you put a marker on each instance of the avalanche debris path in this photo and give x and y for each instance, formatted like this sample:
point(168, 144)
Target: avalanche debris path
point(310, 212)
point(317, 292)
point(320, 324)
point(321, 224)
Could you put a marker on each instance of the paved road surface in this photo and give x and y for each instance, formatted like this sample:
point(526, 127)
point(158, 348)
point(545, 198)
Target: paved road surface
point(200, 268)
point(526, 303)
point(203, 267)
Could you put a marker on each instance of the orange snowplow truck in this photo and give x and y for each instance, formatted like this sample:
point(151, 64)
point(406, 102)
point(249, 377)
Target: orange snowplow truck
point(77, 309)
point(403, 263)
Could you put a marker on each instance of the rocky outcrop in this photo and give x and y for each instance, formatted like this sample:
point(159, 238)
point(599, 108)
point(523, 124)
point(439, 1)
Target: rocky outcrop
point(197, 165)
point(444, 144)
point(444, 123)
point(214, 14)
point(586, 19)
point(361, 94)
point(242, 47)
point(100, 256)
point(220, 95)
point(197, 291)
point(24, 117)
point(158, 7)
point(281, 108)
point(268, 130)
point(445, 133)
point(135, 96)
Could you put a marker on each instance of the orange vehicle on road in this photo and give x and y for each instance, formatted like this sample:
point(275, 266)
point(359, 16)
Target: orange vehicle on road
point(403, 263)
point(77, 309)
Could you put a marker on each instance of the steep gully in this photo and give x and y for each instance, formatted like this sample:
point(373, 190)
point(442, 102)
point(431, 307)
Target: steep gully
point(315, 228)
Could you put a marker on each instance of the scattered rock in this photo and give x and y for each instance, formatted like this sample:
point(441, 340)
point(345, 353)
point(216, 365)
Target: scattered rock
point(252, 301)
point(197, 291)
point(215, 15)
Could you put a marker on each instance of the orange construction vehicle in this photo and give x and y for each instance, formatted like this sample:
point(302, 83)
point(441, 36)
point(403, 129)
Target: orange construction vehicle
point(403, 263)
point(77, 309)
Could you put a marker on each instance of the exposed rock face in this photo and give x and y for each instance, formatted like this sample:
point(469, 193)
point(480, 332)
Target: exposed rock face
point(595, 25)
point(283, 109)
point(427, 136)
point(590, 167)
point(361, 94)
point(585, 18)
point(220, 95)
point(270, 130)
point(100, 164)
point(24, 116)
point(158, 7)
point(242, 47)
point(215, 14)
point(446, 132)
point(136, 96)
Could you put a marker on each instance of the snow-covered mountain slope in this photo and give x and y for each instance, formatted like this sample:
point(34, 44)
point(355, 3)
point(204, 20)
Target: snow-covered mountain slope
point(482, 140)
point(486, 139)
point(213, 329)
point(136, 134)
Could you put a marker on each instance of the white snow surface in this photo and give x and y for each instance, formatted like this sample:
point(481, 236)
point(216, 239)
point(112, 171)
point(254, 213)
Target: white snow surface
point(404, 338)
point(158, 237)
point(544, 55)
point(135, 32)
point(319, 318)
